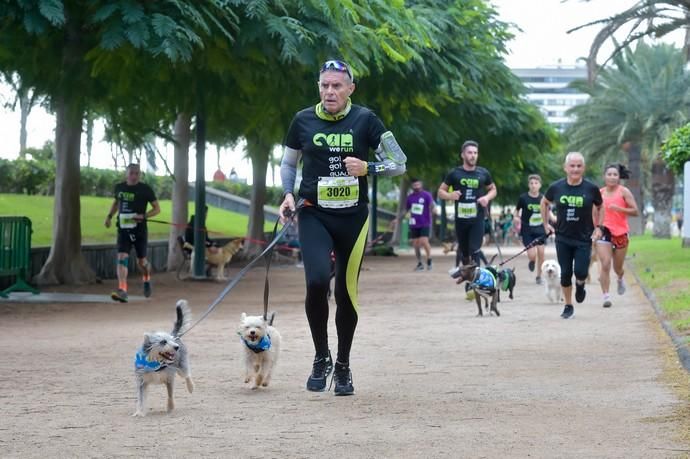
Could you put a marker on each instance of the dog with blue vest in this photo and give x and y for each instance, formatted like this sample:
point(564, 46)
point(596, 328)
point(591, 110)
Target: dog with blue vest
point(486, 283)
point(161, 357)
point(261, 344)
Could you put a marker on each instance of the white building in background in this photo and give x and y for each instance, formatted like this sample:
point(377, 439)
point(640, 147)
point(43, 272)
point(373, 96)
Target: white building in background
point(547, 88)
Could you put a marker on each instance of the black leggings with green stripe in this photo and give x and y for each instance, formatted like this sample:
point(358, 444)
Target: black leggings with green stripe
point(345, 234)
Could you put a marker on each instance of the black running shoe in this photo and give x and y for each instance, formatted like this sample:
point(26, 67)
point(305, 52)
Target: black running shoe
point(530, 265)
point(147, 289)
point(419, 267)
point(321, 369)
point(343, 380)
point(607, 304)
point(568, 311)
point(119, 295)
point(429, 265)
point(580, 292)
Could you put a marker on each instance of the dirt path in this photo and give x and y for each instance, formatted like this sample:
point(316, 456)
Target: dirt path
point(432, 380)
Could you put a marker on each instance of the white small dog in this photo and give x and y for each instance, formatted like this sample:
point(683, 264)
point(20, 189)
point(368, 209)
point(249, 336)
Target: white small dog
point(261, 343)
point(551, 273)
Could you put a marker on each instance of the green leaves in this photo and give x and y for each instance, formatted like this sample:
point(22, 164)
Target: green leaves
point(676, 150)
point(53, 11)
point(642, 99)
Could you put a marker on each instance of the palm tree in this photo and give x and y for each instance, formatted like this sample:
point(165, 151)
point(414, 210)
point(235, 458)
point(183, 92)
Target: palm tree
point(634, 106)
point(645, 18)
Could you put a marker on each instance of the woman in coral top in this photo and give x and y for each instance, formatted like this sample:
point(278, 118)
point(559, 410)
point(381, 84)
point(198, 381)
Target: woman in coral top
point(619, 203)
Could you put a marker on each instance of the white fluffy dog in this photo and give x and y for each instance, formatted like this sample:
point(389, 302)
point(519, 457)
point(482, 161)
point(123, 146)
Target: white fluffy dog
point(551, 273)
point(261, 343)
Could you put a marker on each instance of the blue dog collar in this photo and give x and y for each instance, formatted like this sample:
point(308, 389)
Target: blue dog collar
point(261, 346)
point(141, 363)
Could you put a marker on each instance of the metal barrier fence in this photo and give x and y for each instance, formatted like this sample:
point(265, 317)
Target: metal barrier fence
point(15, 253)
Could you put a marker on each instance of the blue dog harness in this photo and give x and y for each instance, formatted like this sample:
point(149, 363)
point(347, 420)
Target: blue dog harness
point(141, 363)
point(485, 281)
point(263, 345)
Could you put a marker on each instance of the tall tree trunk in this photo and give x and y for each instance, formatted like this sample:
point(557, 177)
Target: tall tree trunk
point(634, 152)
point(258, 151)
point(66, 264)
point(180, 192)
point(402, 203)
point(24, 110)
point(663, 187)
point(89, 138)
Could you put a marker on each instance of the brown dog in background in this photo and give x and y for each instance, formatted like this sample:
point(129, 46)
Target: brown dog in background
point(221, 257)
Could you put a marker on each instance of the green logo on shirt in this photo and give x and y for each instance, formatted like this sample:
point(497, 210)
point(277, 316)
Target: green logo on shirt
point(126, 196)
point(534, 207)
point(344, 141)
point(469, 182)
point(572, 201)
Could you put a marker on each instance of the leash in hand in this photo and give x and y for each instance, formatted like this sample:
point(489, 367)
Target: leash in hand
point(534, 243)
point(268, 251)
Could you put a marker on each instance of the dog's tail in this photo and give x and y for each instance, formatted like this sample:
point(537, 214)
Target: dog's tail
point(184, 318)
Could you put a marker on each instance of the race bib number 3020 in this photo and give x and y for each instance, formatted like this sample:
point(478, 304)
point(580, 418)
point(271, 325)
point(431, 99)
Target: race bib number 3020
point(338, 192)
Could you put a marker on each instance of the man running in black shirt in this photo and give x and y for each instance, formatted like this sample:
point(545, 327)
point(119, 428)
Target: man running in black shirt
point(579, 216)
point(333, 139)
point(473, 189)
point(131, 199)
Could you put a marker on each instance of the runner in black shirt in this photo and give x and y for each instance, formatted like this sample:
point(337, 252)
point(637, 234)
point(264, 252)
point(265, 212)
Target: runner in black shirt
point(131, 199)
point(578, 207)
point(473, 189)
point(333, 139)
point(528, 219)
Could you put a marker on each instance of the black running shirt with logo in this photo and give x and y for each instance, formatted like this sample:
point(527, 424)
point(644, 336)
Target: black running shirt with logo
point(132, 200)
point(531, 214)
point(574, 204)
point(472, 185)
point(324, 145)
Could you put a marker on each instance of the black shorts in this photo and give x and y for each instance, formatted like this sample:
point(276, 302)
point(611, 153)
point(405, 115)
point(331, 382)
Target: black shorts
point(419, 232)
point(529, 238)
point(128, 238)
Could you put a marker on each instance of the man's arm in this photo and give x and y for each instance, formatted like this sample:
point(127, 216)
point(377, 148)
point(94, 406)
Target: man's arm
point(444, 194)
point(491, 193)
point(545, 207)
point(111, 213)
point(155, 209)
point(288, 175)
point(598, 220)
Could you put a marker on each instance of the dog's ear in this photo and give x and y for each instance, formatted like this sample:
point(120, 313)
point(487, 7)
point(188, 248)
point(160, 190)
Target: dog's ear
point(147, 340)
point(271, 317)
point(243, 317)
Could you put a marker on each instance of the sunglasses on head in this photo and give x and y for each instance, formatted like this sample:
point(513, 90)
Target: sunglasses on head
point(338, 66)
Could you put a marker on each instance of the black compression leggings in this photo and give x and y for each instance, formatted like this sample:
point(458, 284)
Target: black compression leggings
point(569, 255)
point(470, 234)
point(346, 235)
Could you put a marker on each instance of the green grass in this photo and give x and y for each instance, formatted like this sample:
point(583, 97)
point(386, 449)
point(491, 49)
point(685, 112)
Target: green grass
point(39, 209)
point(664, 267)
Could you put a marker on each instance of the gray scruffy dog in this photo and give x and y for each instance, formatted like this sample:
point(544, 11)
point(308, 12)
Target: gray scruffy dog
point(161, 357)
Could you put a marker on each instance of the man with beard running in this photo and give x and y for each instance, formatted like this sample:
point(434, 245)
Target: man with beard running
point(473, 189)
